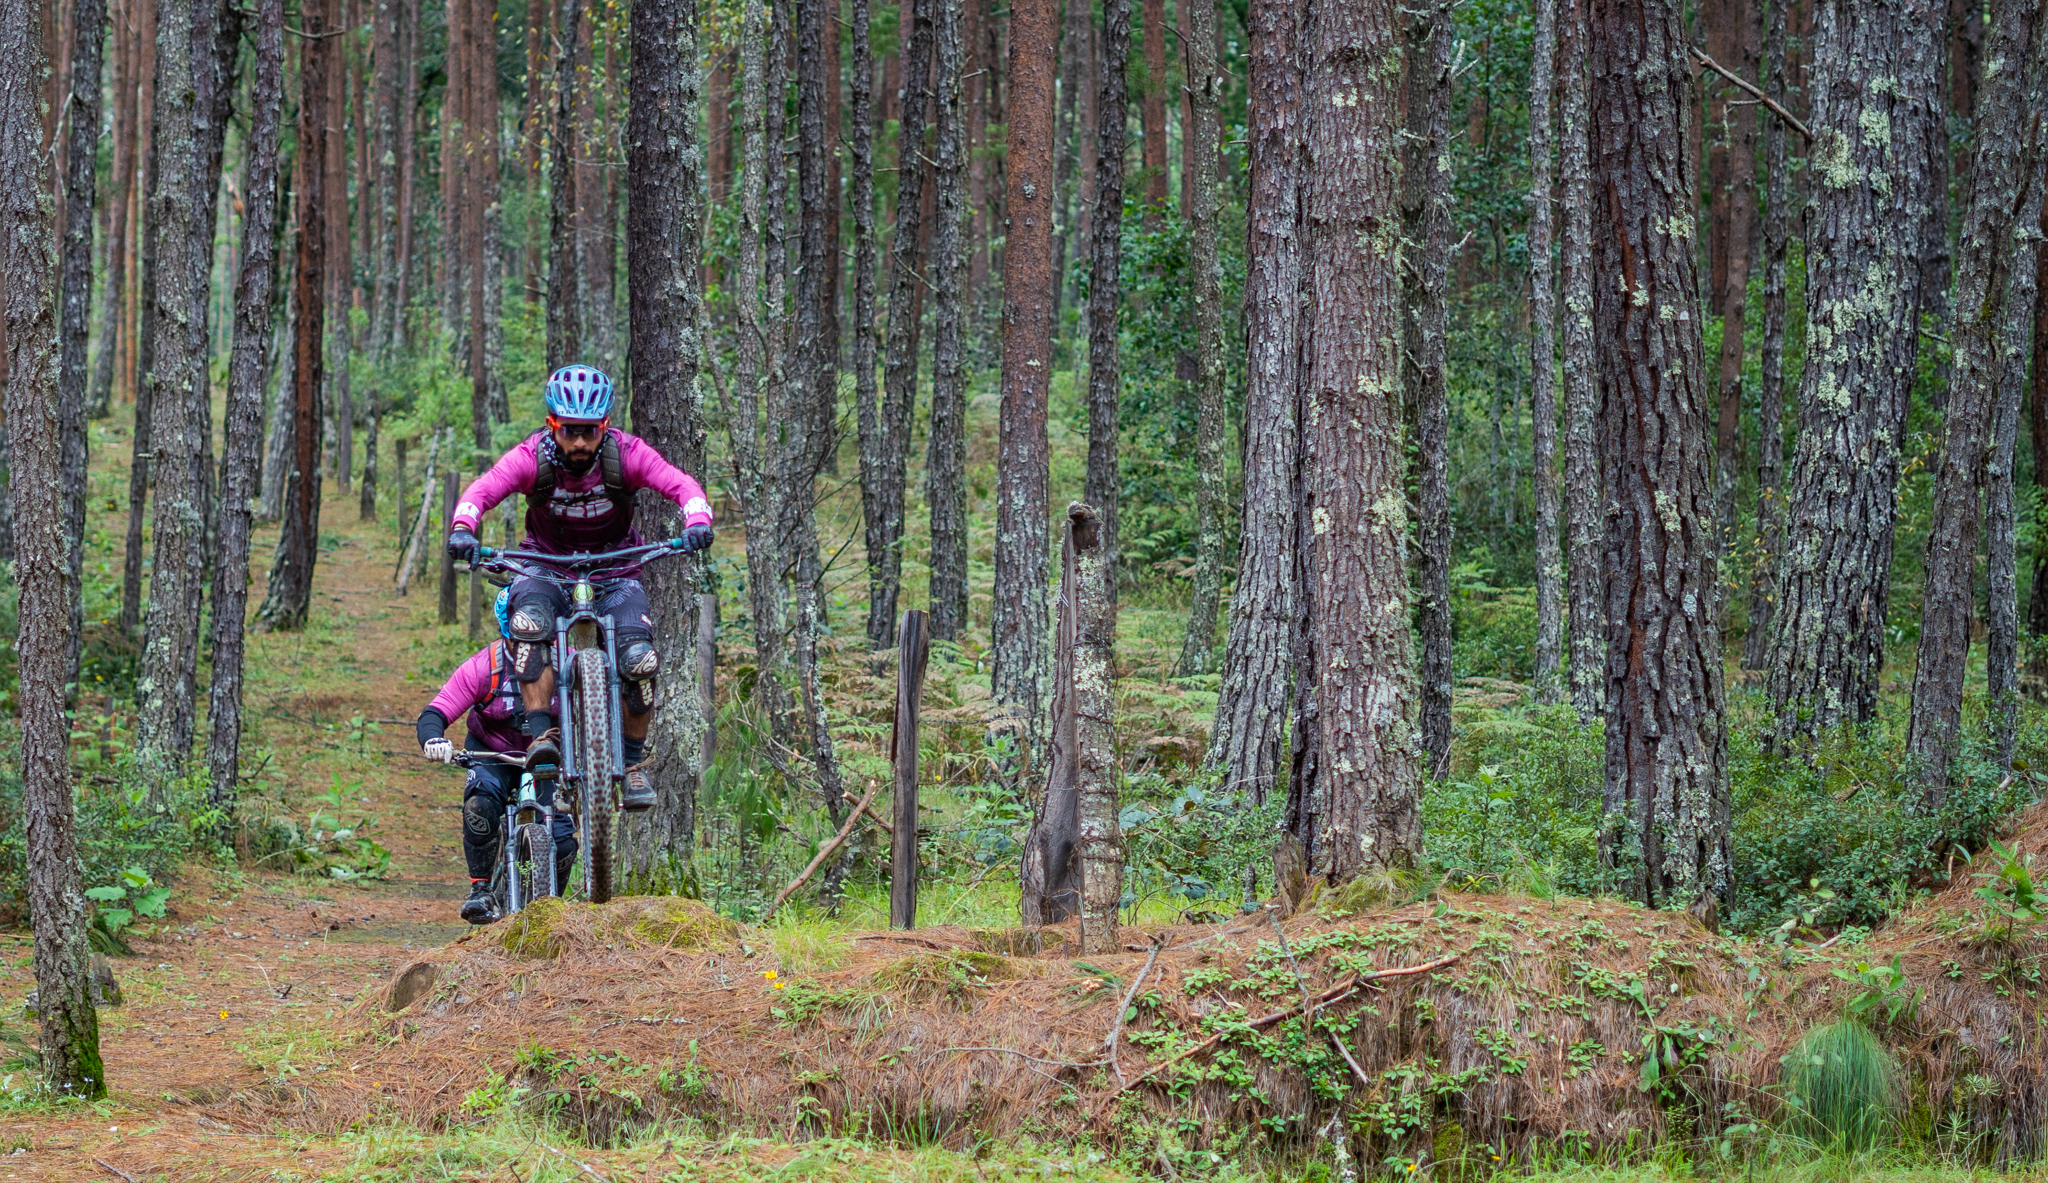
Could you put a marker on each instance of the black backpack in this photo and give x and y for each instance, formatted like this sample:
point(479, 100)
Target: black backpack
point(608, 462)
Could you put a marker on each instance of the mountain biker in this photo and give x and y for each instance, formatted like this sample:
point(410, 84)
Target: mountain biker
point(579, 475)
point(483, 688)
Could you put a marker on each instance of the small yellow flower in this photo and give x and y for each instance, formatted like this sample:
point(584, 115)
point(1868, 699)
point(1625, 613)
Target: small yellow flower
point(223, 1014)
point(782, 985)
point(769, 974)
point(1411, 1168)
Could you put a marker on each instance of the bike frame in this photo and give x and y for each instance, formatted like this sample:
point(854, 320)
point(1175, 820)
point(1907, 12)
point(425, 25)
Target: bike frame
point(524, 809)
point(583, 628)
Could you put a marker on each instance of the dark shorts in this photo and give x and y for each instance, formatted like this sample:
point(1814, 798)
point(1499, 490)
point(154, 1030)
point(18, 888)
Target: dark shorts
point(624, 600)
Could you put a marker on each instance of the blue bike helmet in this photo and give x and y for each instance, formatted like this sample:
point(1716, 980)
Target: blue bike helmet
point(504, 610)
point(579, 393)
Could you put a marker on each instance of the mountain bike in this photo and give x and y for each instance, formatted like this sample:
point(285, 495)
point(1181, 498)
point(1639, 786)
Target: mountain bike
point(524, 870)
point(586, 701)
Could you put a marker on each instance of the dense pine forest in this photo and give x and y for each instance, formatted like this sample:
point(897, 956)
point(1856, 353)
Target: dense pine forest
point(1467, 568)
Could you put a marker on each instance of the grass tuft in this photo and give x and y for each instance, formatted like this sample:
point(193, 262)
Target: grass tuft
point(1841, 1086)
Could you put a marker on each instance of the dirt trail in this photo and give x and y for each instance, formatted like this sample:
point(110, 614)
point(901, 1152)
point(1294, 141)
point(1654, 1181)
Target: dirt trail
point(215, 993)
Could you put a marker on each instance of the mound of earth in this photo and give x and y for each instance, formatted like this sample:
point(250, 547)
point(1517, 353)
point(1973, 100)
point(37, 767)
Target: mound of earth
point(1460, 1027)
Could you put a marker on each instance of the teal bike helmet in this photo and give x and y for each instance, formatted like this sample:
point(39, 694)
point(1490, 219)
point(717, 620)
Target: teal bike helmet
point(579, 392)
point(504, 610)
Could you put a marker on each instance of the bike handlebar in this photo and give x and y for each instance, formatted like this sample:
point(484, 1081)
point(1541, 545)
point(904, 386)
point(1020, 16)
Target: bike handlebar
point(467, 757)
point(521, 562)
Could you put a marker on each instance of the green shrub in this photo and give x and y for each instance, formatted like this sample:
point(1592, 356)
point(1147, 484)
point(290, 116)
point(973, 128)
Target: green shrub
point(1841, 1086)
point(1525, 809)
point(125, 827)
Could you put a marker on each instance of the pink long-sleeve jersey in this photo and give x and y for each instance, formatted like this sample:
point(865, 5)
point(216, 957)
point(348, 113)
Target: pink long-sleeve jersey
point(580, 516)
point(478, 689)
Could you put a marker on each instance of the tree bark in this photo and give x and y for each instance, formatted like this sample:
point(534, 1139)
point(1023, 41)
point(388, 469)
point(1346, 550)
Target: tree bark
point(885, 429)
point(664, 234)
point(1103, 483)
point(113, 321)
point(565, 330)
point(2005, 199)
point(862, 193)
point(946, 458)
point(69, 1026)
point(817, 310)
point(1259, 673)
point(1076, 21)
point(1100, 846)
point(290, 594)
point(1425, 329)
point(2037, 398)
point(1364, 662)
point(383, 342)
point(1205, 86)
point(1770, 497)
point(1732, 204)
point(1863, 282)
point(1022, 449)
point(2001, 544)
point(244, 437)
point(1153, 105)
point(1667, 745)
point(177, 376)
point(1542, 362)
point(1585, 496)
point(340, 269)
point(81, 154)
point(145, 397)
point(487, 385)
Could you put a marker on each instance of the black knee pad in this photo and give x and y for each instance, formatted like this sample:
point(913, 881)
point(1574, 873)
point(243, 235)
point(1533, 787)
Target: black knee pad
point(533, 635)
point(638, 662)
point(483, 810)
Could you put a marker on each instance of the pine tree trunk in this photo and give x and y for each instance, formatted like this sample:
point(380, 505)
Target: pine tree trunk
point(565, 330)
point(81, 154)
point(1153, 105)
point(664, 233)
point(366, 502)
point(340, 267)
point(1770, 468)
point(2001, 544)
point(1099, 848)
point(2005, 197)
point(290, 593)
point(862, 78)
point(244, 437)
point(408, 165)
point(1205, 86)
point(885, 429)
point(145, 399)
point(1732, 204)
point(1667, 742)
point(946, 458)
point(177, 373)
point(1105, 264)
point(2037, 421)
point(1365, 663)
point(69, 1026)
point(383, 342)
point(1425, 328)
point(1022, 449)
point(1542, 363)
point(1076, 19)
point(277, 440)
point(817, 333)
point(1862, 282)
point(1585, 495)
point(113, 324)
point(1259, 673)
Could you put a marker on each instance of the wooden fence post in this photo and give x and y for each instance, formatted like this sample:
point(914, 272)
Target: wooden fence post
point(1048, 877)
point(449, 612)
point(913, 646)
point(398, 476)
point(1092, 703)
point(707, 673)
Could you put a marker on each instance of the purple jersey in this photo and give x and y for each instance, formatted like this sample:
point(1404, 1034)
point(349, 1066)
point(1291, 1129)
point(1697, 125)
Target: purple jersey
point(580, 515)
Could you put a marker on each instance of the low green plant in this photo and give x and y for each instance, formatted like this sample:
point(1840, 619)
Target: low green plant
point(1841, 1086)
point(1881, 997)
point(117, 905)
point(2008, 891)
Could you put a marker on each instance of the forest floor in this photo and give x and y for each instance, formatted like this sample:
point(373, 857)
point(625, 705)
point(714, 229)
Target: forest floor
point(253, 1044)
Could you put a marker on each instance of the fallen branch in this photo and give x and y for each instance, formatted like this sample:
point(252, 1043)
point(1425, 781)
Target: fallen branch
point(1117, 1030)
point(107, 1166)
point(824, 853)
point(890, 936)
point(1330, 997)
point(1790, 119)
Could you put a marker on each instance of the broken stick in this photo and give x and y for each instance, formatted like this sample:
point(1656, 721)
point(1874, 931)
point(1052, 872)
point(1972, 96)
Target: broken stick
point(824, 853)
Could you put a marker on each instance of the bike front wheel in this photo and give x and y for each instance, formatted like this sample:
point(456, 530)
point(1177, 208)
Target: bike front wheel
point(594, 754)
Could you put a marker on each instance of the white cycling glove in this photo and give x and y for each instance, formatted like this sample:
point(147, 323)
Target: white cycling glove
point(440, 751)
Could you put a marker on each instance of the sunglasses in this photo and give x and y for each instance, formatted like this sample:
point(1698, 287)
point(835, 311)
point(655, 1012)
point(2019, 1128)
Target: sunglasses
point(578, 431)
